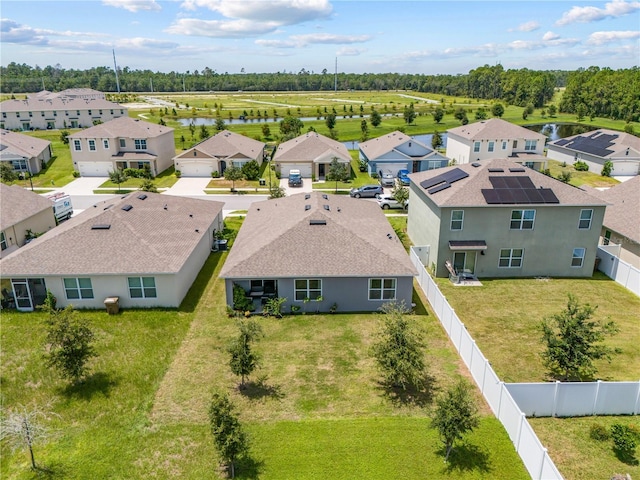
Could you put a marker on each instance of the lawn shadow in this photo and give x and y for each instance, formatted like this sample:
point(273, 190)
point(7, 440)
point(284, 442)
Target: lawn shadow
point(466, 457)
point(249, 468)
point(420, 308)
point(194, 294)
point(49, 471)
point(625, 457)
point(97, 383)
point(419, 397)
point(260, 389)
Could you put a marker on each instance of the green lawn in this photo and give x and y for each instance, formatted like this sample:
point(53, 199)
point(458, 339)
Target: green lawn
point(503, 317)
point(579, 178)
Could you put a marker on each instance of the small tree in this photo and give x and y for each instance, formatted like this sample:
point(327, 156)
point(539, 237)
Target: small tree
point(204, 132)
point(7, 173)
point(148, 186)
point(220, 125)
point(364, 128)
point(330, 121)
point(243, 359)
point(606, 168)
point(277, 192)
point(233, 173)
point(64, 136)
point(338, 172)
point(436, 140)
point(251, 170)
point(118, 176)
point(375, 118)
point(398, 350)
point(24, 428)
point(456, 414)
point(409, 114)
point(497, 110)
point(228, 435)
point(69, 343)
point(573, 342)
point(552, 110)
point(438, 114)
point(401, 195)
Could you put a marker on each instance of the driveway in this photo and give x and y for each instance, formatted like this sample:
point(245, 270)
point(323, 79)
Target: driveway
point(82, 186)
point(306, 186)
point(189, 186)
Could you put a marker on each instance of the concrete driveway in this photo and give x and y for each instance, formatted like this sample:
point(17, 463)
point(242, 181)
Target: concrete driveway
point(82, 186)
point(188, 186)
point(306, 186)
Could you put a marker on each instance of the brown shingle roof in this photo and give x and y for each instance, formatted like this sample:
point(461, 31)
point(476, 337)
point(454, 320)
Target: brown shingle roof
point(494, 129)
point(468, 191)
point(278, 240)
point(144, 240)
point(227, 144)
point(126, 127)
point(18, 204)
point(23, 145)
point(603, 143)
point(623, 212)
point(309, 147)
point(49, 103)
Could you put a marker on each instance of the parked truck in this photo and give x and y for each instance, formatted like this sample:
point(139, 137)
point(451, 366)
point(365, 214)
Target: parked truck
point(62, 208)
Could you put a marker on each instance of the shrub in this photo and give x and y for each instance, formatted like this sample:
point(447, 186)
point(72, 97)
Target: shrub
point(606, 168)
point(240, 300)
point(251, 170)
point(599, 432)
point(624, 441)
point(76, 174)
point(581, 166)
point(178, 173)
point(215, 174)
point(565, 177)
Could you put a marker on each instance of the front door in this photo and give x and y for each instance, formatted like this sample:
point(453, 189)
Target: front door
point(223, 167)
point(28, 293)
point(321, 170)
point(464, 262)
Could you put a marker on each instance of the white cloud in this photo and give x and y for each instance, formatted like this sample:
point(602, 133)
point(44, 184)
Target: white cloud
point(350, 52)
point(14, 32)
point(329, 38)
point(617, 8)
point(219, 29)
point(550, 36)
point(133, 5)
point(277, 43)
point(282, 12)
point(528, 26)
point(600, 38)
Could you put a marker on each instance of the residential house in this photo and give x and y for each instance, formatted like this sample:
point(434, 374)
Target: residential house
point(311, 153)
point(496, 218)
point(216, 153)
point(122, 143)
point(496, 138)
point(397, 151)
point(144, 248)
point(621, 224)
point(23, 214)
point(338, 252)
point(73, 108)
point(597, 147)
point(25, 154)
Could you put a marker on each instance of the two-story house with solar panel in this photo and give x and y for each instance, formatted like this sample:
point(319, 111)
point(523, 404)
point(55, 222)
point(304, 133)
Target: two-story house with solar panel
point(496, 218)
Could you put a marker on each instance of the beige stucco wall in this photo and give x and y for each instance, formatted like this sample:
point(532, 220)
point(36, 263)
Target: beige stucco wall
point(41, 222)
point(629, 249)
point(423, 223)
point(461, 150)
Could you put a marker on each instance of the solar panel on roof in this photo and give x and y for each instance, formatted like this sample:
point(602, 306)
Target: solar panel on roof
point(431, 182)
point(498, 182)
point(525, 182)
point(548, 196)
point(449, 177)
point(505, 195)
point(455, 175)
point(490, 196)
point(533, 195)
point(438, 188)
point(562, 142)
point(512, 182)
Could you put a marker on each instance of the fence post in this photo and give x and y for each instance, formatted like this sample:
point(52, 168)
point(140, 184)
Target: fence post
point(500, 400)
point(544, 458)
point(462, 329)
point(555, 399)
point(523, 419)
point(636, 409)
point(595, 400)
point(484, 376)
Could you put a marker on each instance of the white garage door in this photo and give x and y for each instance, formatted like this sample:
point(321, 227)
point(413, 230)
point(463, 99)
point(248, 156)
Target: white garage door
point(95, 169)
point(305, 169)
point(195, 169)
point(625, 168)
point(392, 167)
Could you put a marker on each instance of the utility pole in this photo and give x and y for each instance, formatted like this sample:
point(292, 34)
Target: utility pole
point(115, 66)
point(335, 77)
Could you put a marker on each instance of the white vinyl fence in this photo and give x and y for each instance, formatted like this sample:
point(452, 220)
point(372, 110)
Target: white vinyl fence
point(505, 408)
point(619, 270)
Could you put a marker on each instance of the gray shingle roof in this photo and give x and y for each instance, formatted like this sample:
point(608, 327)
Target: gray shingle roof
point(22, 145)
point(278, 240)
point(125, 127)
point(49, 103)
point(227, 144)
point(468, 191)
point(144, 240)
point(623, 212)
point(376, 147)
point(309, 147)
point(494, 129)
point(18, 204)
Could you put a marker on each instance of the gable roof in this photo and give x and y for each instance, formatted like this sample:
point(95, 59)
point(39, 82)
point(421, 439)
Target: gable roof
point(126, 127)
point(52, 102)
point(14, 144)
point(477, 176)
point(376, 147)
point(227, 144)
point(18, 204)
point(283, 238)
point(494, 129)
point(622, 213)
point(156, 235)
point(602, 143)
point(309, 147)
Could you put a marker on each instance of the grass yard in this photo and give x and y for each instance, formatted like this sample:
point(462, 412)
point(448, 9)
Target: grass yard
point(315, 409)
point(507, 331)
point(579, 178)
point(577, 455)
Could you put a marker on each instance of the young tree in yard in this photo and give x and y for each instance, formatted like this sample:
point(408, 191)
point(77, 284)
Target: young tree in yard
point(251, 170)
point(118, 176)
point(276, 192)
point(243, 359)
point(24, 427)
point(398, 350)
point(438, 114)
point(455, 415)
point(7, 173)
point(409, 114)
point(229, 438)
point(204, 132)
point(401, 195)
point(338, 172)
point(69, 343)
point(497, 110)
point(573, 342)
point(233, 173)
point(220, 125)
point(290, 127)
point(436, 140)
point(364, 128)
point(330, 121)
point(375, 118)
point(148, 186)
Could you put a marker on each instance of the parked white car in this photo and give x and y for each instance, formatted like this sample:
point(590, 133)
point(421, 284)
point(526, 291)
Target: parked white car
point(386, 202)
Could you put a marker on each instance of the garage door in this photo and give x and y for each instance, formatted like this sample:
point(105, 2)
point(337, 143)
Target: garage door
point(95, 169)
point(625, 168)
point(195, 169)
point(392, 167)
point(305, 169)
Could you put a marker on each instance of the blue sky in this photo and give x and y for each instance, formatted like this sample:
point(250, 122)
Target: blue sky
point(374, 36)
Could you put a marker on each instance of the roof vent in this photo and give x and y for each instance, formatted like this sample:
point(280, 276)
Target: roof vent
point(517, 169)
point(101, 226)
point(496, 170)
point(307, 196)
point(475, 164)
point(324, 195)
point(142, 196)
point(307, 207)
point(326, 207)
point(165, 207)
point(317, 222)
point(127, 207)
point(107, 207)
point(191, 215)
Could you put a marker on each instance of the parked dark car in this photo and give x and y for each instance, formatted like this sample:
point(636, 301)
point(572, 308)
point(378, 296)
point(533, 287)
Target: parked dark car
point(403, 177)
point(386, 178)
point(366, 191)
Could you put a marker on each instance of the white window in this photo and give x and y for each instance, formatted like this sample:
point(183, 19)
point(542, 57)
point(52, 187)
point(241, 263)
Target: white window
point(142, 287)
point(578, 257)
point(92, 145)
point(457, 219)
point(530, 145)
point(382, 289)
point(105, 143)
point(585, 219)
point(504, 145)
point(77, 146)
point(491, 146)
point(141, 144)
point(78, 288)
point(3, 241)
point(123, 143)
point(522, 219)
point(307, 288)
point(511, 258)
point(476, 146)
